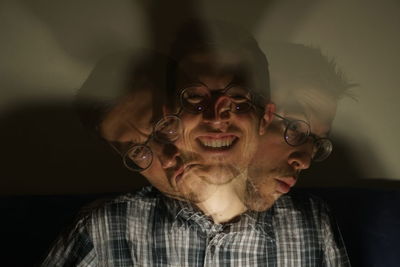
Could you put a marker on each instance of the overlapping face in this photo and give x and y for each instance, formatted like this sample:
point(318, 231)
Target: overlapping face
point(129, 123)
point(276, 164)
point(216, 144)
point(217, 123)
point(224, 146)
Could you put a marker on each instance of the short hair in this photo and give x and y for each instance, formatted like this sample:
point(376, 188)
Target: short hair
point(293, 66)
point(218, 37)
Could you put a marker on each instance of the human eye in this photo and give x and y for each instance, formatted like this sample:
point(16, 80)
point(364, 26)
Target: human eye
point(194, 99)
point(239, 94)
point(138, 158)
point(194, 95)
point(168, 129)
point(293, 126)
point(297, 131)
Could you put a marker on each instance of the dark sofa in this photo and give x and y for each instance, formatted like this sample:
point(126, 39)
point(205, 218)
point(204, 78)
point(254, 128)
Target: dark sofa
point(369, 220)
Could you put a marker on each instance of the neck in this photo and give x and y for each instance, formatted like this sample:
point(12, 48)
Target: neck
point(226, 202)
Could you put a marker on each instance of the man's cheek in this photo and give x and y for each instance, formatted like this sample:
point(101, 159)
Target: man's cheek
point(186, 140)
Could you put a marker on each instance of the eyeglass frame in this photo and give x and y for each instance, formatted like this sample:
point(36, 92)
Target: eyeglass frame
point(309, 134)
point(222, 91)
point(152, 136)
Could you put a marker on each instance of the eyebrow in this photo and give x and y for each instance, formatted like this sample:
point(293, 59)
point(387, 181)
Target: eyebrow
point(203, 84)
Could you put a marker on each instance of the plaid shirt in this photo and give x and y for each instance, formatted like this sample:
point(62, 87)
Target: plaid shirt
point(149, 229)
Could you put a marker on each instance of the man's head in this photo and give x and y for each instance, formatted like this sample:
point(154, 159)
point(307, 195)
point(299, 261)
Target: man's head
point(151, 149)
point(306, 89)
point(218, 79)
point(121, 102)
point(129, 130)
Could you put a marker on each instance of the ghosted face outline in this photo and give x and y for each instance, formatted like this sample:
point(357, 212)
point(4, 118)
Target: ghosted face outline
point(138, 157)
point(274, 173)
point(128, 123)
point(226, 140)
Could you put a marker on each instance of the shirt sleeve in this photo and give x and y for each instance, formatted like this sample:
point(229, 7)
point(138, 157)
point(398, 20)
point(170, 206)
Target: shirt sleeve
point(73, 249)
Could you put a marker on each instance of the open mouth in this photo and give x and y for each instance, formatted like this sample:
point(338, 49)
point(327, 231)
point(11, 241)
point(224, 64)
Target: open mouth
point(217, 143)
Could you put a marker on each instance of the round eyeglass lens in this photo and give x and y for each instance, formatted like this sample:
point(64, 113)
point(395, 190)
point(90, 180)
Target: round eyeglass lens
point(138, 158)
point(240, 99)
point(323, 148)
point(193, 99)
point(168, 129)
point(297, 132)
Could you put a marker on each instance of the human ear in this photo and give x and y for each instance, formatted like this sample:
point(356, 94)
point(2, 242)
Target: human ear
point(267, 118)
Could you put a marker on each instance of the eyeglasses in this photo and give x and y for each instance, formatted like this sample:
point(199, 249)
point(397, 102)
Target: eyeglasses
point(138, 157)
point(197, 98)
point(297, 133)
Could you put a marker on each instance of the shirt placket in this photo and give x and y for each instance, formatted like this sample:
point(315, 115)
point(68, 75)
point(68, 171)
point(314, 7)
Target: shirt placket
point(214, 243)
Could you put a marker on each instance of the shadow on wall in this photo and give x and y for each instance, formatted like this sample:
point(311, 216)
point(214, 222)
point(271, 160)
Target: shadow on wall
point(45, 150)
point(100, 31)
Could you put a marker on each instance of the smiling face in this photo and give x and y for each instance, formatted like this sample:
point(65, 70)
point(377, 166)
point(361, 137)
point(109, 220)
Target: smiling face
point(225, 140)
point(276, 165)
point(129, 123)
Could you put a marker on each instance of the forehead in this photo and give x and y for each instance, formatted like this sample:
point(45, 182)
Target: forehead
point(129, 120)
point(203, 66)
point(199, 60)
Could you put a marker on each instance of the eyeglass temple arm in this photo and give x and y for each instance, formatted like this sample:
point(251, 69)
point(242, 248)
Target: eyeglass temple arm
point(279, 116)
point(114, 148)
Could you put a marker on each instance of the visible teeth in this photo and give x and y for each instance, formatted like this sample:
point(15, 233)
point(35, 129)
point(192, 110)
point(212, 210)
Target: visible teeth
point(217, 143)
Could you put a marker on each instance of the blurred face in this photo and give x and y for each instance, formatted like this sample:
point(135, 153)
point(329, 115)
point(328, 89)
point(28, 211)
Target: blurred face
point(225, 140)
point(129, 123)
point(277, 165)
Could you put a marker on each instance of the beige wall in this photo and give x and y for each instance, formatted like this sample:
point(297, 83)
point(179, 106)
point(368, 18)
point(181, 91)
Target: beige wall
point(47, 49)
point(364, 38)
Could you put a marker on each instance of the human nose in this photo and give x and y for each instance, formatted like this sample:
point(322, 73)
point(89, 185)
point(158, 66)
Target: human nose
point(169, 156)
point(300, 157)
point(218, 110)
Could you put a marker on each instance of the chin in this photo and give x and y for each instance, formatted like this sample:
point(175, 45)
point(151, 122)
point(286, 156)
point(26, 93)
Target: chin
point(217, 174)
point(195, 197)
point(257, 201)
point(259, 204)
point(196, 190)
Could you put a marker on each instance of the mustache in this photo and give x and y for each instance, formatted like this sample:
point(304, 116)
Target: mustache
point(285, 171)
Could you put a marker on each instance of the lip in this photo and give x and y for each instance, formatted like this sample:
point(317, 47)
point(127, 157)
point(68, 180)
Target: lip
point(216, 136)
point(285, 183)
